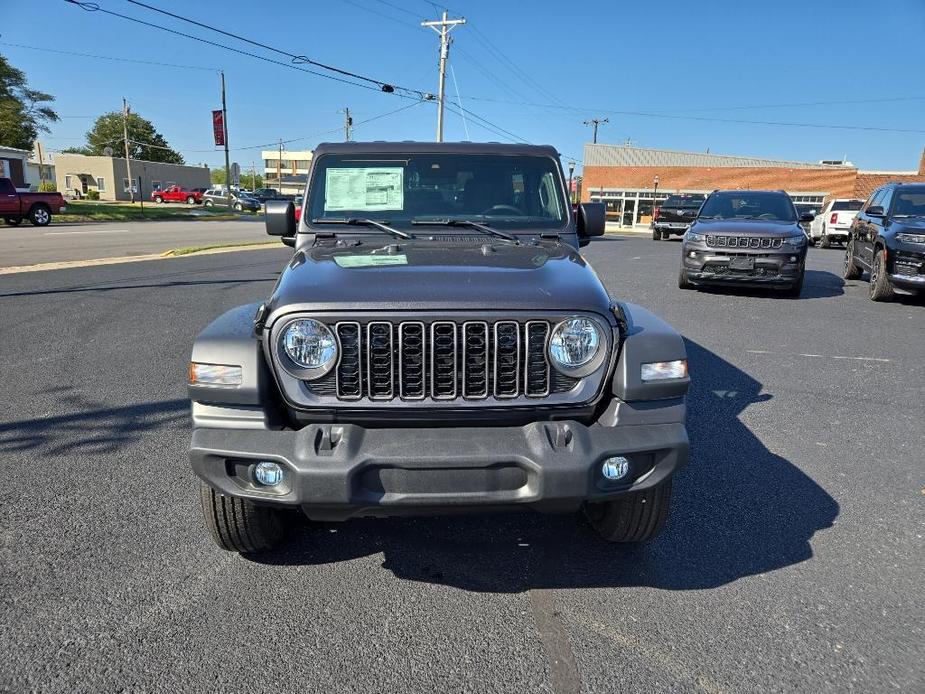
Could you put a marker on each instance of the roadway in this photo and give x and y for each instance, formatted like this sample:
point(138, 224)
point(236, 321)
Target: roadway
point(29, 245)
point(792, 560)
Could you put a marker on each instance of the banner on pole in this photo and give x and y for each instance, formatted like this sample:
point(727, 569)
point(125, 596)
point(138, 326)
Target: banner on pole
point(218, 127)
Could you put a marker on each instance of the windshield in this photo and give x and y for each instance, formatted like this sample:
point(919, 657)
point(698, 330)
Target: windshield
point(847, 205)
point(910, 203)
point(508, 192)
point(693, 201)
point(749, 205)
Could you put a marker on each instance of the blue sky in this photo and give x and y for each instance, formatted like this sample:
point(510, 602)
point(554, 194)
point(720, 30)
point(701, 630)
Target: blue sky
point(732, 60)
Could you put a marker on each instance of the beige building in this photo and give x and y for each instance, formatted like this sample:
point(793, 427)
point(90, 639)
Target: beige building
point(286, 171)
point(77, 174)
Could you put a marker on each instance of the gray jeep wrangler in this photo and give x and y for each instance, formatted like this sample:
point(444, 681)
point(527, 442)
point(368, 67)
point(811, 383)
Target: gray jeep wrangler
point(436, 344)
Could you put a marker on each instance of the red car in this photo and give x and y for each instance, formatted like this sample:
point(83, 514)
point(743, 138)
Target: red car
point(177, 194)
point(36, 207)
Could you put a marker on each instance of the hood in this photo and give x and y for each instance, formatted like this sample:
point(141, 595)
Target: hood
point(746, 227)
point(431, 275)
point(914, 224)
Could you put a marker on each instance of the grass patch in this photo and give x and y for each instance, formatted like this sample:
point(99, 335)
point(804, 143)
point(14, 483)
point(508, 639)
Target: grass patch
point(86, 211)
point(198, 249)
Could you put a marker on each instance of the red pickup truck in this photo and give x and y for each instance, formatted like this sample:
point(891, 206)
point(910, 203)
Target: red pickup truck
point(36, 207)
point(177, 194)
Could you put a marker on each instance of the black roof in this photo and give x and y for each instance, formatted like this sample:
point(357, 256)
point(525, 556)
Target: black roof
point(433, 147)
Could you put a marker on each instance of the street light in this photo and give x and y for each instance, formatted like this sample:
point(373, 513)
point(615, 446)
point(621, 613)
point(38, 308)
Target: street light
point(571, 170)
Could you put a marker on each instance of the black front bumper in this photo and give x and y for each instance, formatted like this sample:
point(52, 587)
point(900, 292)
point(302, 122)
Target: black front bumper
point(718, 266)
point(337, 471)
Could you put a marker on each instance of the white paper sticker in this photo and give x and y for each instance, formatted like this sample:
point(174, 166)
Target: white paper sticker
point(370, 189)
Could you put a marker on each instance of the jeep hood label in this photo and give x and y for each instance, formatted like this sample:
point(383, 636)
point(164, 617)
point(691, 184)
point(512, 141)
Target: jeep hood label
point(351, 261)
point(369, 189)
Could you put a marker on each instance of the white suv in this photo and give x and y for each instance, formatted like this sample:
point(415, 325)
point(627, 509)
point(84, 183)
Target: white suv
point(832, 223)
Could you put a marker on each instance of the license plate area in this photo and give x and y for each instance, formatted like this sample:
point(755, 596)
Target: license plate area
point(741, 263)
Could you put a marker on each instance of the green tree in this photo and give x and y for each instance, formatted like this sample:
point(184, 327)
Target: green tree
point(145, 142)
point(248, 180)
point(24, 112)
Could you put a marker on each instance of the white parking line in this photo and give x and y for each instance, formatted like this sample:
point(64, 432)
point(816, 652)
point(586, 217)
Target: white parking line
point(817, 356)
point(102, 231)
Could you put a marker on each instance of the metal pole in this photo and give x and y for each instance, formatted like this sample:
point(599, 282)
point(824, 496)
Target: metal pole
point(445, 27)
point(279, 167)
point(227, 160)
point(128, 161)
point(38, 148)
point(348, 123)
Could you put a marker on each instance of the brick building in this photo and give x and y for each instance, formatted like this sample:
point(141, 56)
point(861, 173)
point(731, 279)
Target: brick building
point(624, 178)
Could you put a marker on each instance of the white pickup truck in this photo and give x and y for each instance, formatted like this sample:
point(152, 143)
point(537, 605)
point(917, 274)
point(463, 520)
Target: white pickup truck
point(831, 224)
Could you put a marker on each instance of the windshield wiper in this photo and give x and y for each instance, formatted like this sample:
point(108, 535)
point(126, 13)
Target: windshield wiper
point(468, 223)
point(367, 223)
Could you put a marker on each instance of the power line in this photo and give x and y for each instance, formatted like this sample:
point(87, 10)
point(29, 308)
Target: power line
point(296, 59)
point(107, 57)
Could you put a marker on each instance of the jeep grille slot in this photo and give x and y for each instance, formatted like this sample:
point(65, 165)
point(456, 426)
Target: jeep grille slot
point(379, 357)
point(349, 376)
point(443, 360)
point(475, 360)
point(411, 363)
point(507, 359)
point(536, 366)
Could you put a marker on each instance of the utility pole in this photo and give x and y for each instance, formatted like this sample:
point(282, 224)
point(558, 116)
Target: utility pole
point(227, 160)
point(445, 27)
point(38, 150)
point(348, 124)
point(128, 161)
point(279, 166)
point(596, 122)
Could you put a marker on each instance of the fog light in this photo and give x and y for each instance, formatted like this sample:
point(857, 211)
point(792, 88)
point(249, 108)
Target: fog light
point(793, 259)
point(615, 468)
point(268, 474)
point(692, 254)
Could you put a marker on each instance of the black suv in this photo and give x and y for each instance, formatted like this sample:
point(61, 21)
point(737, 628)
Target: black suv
point(887, 238)
point(675, 214)
point(750, 237)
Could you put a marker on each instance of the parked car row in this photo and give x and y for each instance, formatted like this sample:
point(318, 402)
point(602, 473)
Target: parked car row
point(240, 199)
point(756, 238)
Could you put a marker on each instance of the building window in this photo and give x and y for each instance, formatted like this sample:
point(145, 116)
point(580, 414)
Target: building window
point(101, 184)
point(68, 183)
point(155, 185)
point(125, 188)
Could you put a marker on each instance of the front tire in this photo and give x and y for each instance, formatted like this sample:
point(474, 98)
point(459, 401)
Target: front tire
point(635, 517)
point(851, 270)
point(794, 291)
point(238, 207)
point(208, 203)
point(656, 235)
point(683, 282)
point(158, 199)
point(824, 241)
point(191, 200)
point(881, 288)
point(40, 216)
point(238, 525)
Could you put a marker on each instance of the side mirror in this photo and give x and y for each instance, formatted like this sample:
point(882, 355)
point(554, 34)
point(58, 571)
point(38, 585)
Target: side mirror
point(807, 217)
point(875, 211)
point(280, 218)
point(591, 219)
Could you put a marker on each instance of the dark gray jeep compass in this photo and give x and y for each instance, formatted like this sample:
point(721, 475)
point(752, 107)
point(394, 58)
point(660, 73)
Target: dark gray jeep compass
point(745, 237)
point(436, 344)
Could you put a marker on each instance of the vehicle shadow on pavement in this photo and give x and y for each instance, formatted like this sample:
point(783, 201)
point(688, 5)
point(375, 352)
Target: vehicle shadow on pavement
point(738, 510)
point(817, 284)
point(90, 429)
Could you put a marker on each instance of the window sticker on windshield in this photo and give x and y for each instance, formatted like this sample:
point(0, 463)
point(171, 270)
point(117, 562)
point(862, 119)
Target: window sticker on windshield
point(351, 261)
point(369, 189)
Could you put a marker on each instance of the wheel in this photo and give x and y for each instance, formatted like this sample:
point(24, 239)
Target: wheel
point(636, 517)
point(656, 235)
point(238, 525)
point(851, 270)
point(191, 200)
point(794, 291)
point(238, 207)
point(824, 241)
point(208, 203)
point(666, 235)
point(158, 199)
point(13, 221)
point(683, 282)
point(881, 288)
point(40, 216)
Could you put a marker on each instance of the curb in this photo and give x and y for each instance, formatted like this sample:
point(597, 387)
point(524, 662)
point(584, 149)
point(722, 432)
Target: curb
point(70, 264)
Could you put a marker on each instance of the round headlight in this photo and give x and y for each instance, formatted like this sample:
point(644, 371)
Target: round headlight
point(310, 345)
point(574, 344)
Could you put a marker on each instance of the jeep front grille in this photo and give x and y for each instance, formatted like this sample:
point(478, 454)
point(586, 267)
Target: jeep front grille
point(442, 360)
point(763, 242)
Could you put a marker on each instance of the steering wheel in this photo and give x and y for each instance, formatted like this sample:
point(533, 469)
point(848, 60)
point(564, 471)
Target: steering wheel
point(507, 208)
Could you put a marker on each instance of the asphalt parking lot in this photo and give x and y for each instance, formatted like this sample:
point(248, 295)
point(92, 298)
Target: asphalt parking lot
point(793, 558)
